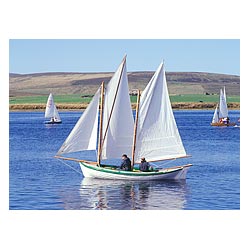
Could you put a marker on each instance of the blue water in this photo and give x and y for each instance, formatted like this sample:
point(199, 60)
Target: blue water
point(39, 181)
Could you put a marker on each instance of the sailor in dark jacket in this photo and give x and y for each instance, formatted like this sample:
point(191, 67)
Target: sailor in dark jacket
point(126, 163)
point(144, 165)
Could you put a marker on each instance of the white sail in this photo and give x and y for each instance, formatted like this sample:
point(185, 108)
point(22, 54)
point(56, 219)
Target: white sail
point(215, 116)
point(56, 114)
point(225, 97)
point(84, 134)
point(118, 119)
point(157, 134)
point(49, 111)
point(223, 111)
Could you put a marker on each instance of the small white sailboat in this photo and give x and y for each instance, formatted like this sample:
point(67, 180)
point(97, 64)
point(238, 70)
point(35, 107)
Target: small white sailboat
point(153, 134)
point(220, 118)
point(51, 111)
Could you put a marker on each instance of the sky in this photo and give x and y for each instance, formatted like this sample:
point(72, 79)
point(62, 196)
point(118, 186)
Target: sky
point(104, 55)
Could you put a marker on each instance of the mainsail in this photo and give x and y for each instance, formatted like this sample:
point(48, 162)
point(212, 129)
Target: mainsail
point(49, 111)
point(157, 134)
point(118, 122)
point(84, 134)
point(223, 111)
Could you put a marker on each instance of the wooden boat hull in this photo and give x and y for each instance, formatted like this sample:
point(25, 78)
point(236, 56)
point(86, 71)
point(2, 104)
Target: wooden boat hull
point(219, 124)
point(109, 173)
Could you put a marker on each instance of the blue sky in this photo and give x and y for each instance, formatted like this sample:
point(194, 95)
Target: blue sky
point(104, 55)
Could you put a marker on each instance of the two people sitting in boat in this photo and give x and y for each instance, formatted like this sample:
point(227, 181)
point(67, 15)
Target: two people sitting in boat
point(224, 120)
point(126, 164)
point(54, 119)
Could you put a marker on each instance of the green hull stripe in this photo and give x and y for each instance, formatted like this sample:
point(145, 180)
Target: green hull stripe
point(129, 173)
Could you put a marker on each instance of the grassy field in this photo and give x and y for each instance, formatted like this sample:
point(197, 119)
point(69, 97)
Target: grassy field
point(75, 98)
point(201, 98)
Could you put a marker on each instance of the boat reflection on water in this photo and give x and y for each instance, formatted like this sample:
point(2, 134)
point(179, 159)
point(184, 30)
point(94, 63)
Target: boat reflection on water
point(124, 195)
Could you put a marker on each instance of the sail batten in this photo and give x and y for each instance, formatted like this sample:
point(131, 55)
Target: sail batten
point(157, 135)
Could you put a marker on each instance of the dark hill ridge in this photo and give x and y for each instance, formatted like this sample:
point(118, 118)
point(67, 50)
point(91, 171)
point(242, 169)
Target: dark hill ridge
point(87, 83)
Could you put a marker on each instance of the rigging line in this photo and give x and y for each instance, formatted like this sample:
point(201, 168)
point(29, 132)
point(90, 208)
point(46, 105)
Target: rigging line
point(135, 127)
point(165, 163)
point(100, 125)
point(69, 166)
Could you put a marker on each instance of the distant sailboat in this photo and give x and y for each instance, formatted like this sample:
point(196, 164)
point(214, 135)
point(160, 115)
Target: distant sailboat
point(51, 111)
point(220, 118)
point(153, 134)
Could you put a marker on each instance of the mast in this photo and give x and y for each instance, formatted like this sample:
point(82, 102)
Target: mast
point(101, 124)
point(135, 127)
point(112, 108)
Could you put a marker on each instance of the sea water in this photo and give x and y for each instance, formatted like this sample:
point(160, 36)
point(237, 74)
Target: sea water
point(37, 180)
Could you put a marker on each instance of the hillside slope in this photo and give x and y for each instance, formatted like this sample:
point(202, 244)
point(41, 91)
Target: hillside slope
point(87, 83)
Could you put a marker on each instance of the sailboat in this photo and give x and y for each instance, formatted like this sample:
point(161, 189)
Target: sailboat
point(220, 117)
point(153, 135)
point(51, 111)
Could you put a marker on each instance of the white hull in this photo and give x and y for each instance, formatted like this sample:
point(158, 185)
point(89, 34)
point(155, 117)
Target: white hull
point(93, 171)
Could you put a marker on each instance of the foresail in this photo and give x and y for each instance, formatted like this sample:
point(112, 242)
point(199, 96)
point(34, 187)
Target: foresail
point(56, 114)
point(157, 134)
point(224, 93)
point(223, 111)
point(215, 116)
point(84, 134)
point(118, 119)
point(49, 111)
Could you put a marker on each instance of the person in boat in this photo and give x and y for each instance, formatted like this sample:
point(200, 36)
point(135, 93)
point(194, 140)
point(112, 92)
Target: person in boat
point(126, 163)
point(225, 120)
point(144, 165)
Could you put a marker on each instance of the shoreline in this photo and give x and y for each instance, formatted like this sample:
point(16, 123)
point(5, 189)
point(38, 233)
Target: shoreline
point(82, 106)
